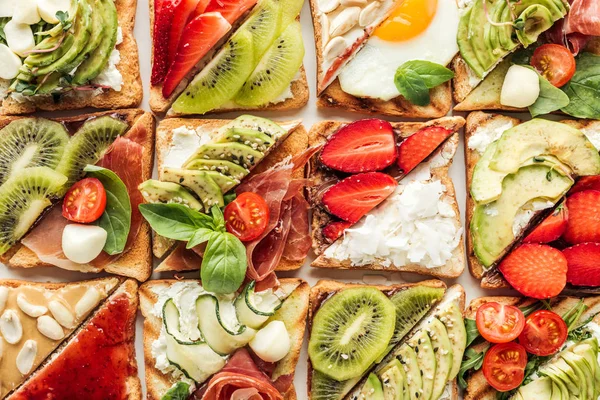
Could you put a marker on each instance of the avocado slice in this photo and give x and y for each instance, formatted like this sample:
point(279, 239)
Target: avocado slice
point(96, 33)
point(566, 374)
point(237, 153)
point(558, 386)
point(38, 60)
point(199, 182)
point(262, 125)
point(372, 389)
point(589, 350)
point(537, 389)
point(464, 45)
point(579, 365)
point(155, 191)
point(491, 224)
point(225, 182)
point(443, 355)
point(250, 137)
point(537, 20)
point(408, 358)
point(225, 167)
point(452, 319)
point(394, 380)
point(426, 360)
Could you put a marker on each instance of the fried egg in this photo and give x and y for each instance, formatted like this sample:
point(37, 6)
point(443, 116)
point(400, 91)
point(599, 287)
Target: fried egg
point(416, 30)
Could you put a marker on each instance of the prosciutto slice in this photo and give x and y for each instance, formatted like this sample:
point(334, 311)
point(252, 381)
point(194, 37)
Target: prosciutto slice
point(576, 29)
point(241, 379)
point(125, 158)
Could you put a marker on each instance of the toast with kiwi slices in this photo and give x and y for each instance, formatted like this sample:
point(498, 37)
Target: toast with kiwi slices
point(101, 71)
point(222, 347)
point(269, 141)
point(229, 56)
point(363, 157)
point(496, 155)
point(539, 380)
point(365, 339)
point(50, 156)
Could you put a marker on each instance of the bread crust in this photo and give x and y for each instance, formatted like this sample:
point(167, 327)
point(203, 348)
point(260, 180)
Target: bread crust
point(137, 261)
point(130, 94)
point(294, 318)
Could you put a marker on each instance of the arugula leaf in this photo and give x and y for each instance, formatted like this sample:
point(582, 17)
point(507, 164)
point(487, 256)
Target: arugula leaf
point(224, 264)
point(533, 307)
point(579, 334)
point(550, 99)
point(179, 391)
point(572, 316)
point(116, 218)
point(583, 89)
point(472, 331)
point(414, 78)
point(175, 221)
point(472, 360)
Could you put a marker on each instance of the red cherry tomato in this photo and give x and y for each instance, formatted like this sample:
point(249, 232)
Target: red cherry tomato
point(499, 323)
point(247, 216)
point(544, 334)
point(504, 366)
point(85, 201)
point(555, 63)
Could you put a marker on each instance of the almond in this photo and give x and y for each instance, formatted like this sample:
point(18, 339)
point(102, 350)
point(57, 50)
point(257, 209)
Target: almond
point(10, 327)
point(26, 357)
point(344, 21)
point(30, 309)
point(1, 348)
point(62, 314)
point(327, 6)
point(324, 29)
point(3, 297)
point(369, 14)
point(87, 302)
point(335, 48)
point(351, 3)
point(50, 328)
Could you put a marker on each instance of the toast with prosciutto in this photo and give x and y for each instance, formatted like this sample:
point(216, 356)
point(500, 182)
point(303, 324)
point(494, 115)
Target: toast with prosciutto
point(536, 235)
point(200, 344)
point(53, 330)
point(382, 198)
point(69, 194)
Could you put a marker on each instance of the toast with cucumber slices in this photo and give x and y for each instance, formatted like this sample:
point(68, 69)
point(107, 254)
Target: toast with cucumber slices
point(404, 176)
point(364, 340)
point(263, 329)
point(503, 157)
point(121, 142)
point(87, 58)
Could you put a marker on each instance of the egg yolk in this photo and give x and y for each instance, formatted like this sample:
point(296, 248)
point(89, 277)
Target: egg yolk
point(408, 20)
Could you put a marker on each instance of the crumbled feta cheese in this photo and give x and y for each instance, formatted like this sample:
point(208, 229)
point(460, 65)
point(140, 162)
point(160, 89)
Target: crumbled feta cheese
point(526, 213)
point(484, 136)
point(184, 143)
point(111, 76)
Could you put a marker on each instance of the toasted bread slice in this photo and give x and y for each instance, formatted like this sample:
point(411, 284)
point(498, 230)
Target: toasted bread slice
point(325, 288)
point(114, 374)
point(320, 218)
point(130, 94)
point(135, 263)
point(293, 313)
point(295, 142)
point(477, 386)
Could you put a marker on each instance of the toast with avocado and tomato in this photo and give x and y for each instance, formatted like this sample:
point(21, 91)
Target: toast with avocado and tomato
point(374, 182)
point(385, 57)
point(251, 169)
point(69, 54)
point(51, 330)
point(532, 56)
point(213, 56)
point(68, 192)
point(379, 342)
point(521, 348)
point(248, 339)
point(531, 203)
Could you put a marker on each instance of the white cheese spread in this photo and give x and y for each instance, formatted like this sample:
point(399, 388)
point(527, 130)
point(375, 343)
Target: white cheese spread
point(111, 76)
point(486, 135)
point(184, 143)
point(526, 213)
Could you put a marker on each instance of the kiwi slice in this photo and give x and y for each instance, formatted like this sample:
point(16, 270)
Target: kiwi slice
point(220, 79)
point(31, 142)
point(265, 25)
point(290, 11)
point(88, 145)
point(23, 198)
point(350, 331)
point(276, 69)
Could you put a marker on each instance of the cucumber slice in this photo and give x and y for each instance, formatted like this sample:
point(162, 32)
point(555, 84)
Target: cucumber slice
point(219, 325)
point(171, 315)
point(254, 309)
point(196, 361)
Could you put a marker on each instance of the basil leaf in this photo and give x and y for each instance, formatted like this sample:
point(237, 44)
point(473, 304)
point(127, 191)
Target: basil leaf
point(175, 221)
point(472, 331)
point(432, 74)
point(179, 391)
point(218, 218)
point(412, 86)
point(229, 197)
point(583, 89)
point(116, 218)
point(472, 361)
point(550, 99)
point(200, 236)
point(224, 264)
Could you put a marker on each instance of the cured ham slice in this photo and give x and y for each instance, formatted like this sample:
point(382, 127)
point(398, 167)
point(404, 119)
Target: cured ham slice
point(181, 259)
point(576, 29)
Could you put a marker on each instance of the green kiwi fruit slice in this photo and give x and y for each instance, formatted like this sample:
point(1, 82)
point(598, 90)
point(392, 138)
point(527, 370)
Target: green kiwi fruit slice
point(31, 142)
point(290, 11)
point(350, 331)
point(265, 25)
point(88, 145)
point(276, 69)
point(23, 198)
point(220, 79)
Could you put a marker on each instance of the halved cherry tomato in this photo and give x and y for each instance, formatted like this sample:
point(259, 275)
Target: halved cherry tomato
point(247, 216)
point(544, 334)
point(85, 201)
point(504, 366)
point(499, 323)
point(555, 63)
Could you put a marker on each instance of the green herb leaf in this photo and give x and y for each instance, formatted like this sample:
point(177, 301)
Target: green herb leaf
point(179, 391)
point(229, 197)
point(218, 218)
point(533, 307)
point(224, 264)
point(472, 331)
point(572, 316)
point(200, 236)
point(63, 18)
point(175, 221)
point(579, 334)
point(412, 87)
point(583, 89)
point(432, 74)
point(472, 360)
point(522, 56)
point(550, 99)
point(3, 22)
point(116, 218)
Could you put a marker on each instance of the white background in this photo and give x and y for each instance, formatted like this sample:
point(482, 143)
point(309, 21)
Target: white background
point(310, 115)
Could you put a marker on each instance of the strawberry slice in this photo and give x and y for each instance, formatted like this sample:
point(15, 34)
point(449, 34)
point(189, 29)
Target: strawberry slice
point(584, 217)
point(335, 230)
point(584, 264)
point(353, 197)
point(535, 270)
point(362, 146)
point(417, 147)
point(230, 9)
point(162, 28)
point(586, 183)
point(199, 36)
point(551, 228)
point(181, 17)
point(200, 8)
